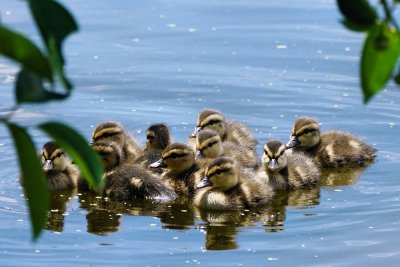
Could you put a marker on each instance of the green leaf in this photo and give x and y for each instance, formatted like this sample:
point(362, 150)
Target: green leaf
point(20, 49)
point(55, 24)
point(78, 149)
point(355, 27)
point(29, 89)
point(379, 56)
point(358, 11)
point(33, 177)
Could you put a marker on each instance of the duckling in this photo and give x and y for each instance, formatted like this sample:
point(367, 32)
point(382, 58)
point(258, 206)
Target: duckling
point(229, 188)
point(209, 146)
point(157, 139)
point(125, 182)
point(286, 170)
point(111, 131)
point(330, 149)
point(61, 174)
point(232, 131)
point(182, 170)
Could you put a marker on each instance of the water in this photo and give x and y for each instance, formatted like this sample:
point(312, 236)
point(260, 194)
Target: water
point(260, 62)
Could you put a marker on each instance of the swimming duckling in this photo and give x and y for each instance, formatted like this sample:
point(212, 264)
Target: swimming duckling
point(60, 172)
point(232, 131)
point(182, 170)
point(209, 146)
point(111, 131)
point(330, 149)
point(286, 170)
point(125, 182)
point(229, 188)
point(157, 139)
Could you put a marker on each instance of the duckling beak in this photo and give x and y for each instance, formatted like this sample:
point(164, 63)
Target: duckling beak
point(293, 142)
point(194, 134)
point(158, 164)
point(198, 154)
point(48, 166)
point(204, 183)
point(273, 165)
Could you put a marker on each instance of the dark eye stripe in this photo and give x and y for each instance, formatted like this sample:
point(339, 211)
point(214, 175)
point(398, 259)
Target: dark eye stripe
point(219, 171)
point(211, 122)
point(174, 156)
point(306, 131)
point(105, 135)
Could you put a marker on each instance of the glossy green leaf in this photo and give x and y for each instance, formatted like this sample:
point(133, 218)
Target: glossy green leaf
point(35, 185)
point(358, 11)
point(55, 24)
point(17, 47)
point(78, 149)
point(379, 56)
point(29, 89)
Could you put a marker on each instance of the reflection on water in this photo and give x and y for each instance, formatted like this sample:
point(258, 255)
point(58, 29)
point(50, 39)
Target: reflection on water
point(341, 176)
point(57, 208)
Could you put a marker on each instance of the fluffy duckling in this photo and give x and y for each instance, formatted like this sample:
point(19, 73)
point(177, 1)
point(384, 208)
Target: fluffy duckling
point(182, 170)
point(209, 146)
point(60, 172)
point(229, 189)
point(286, 170)
point(330, 149)
point(158, 138)
point(232, 131)
point(111, 131)
point(125, 182)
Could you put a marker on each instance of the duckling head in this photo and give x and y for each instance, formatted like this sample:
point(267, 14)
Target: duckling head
point(177, 157)
point(110, 153)
point(158, 137)
point(274, 157)
point(210, 119)
point(209, 144)
point(53, 158)
point(109, 131)
point(305, 133)
point(221, 174)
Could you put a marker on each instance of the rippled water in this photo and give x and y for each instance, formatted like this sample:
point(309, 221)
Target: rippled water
point(260, 62)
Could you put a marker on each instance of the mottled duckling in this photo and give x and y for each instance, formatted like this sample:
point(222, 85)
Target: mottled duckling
point(209, 146)
point(182, 170)
point(232, 131)
point(229, 188)
point(283, 170)
point(330, 149)
point(158, 138)
point(111, 131)
point(61, 174)
point(125, 182)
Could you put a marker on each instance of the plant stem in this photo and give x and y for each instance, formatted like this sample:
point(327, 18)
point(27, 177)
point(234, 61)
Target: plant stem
point(388, 13)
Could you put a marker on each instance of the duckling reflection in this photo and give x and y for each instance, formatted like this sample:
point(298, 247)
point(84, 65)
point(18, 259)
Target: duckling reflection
point(57, 209)
point(299, 198)
point(221, 227)
point(330, 149)
point(101, 220)
point(179, 214)
point(61, 174)
point(232, 131)
point(341, 176)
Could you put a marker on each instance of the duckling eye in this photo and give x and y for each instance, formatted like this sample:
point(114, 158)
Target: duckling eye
point(218, 172)
point(212, 122)
point(150, 137)
point(59, 154)
point(173, 155)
